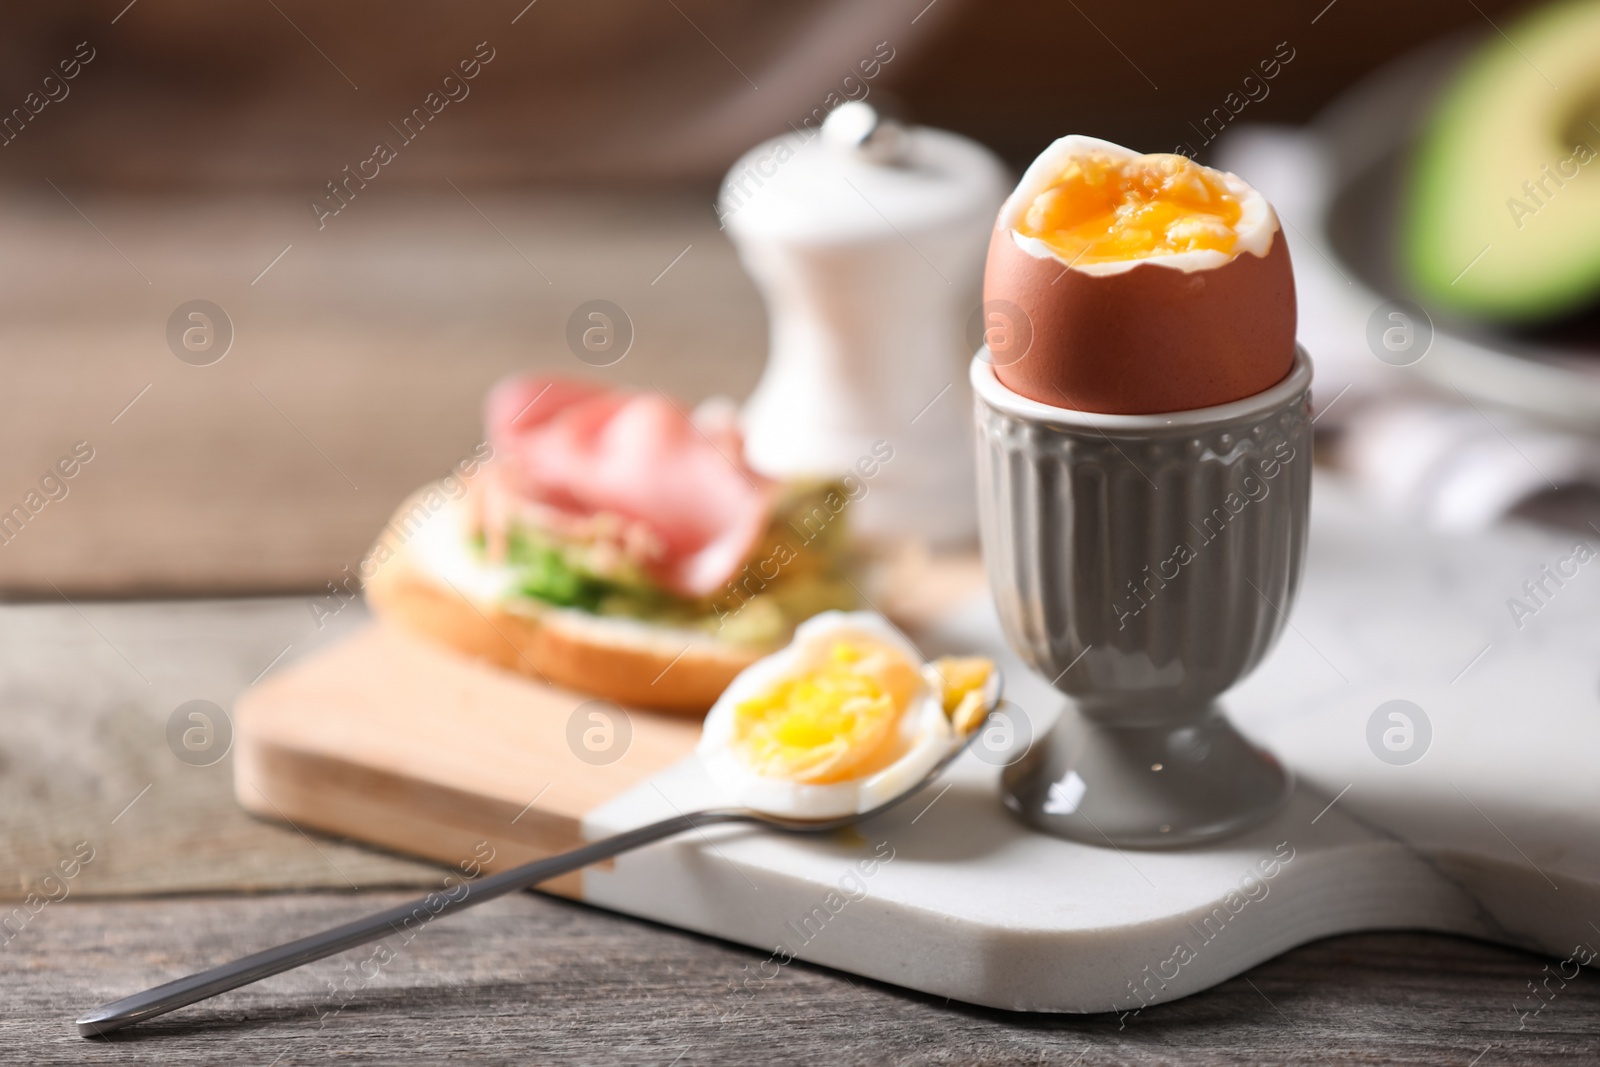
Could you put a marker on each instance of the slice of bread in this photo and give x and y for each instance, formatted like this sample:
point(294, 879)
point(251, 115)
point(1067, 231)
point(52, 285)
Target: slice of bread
point(629, 661)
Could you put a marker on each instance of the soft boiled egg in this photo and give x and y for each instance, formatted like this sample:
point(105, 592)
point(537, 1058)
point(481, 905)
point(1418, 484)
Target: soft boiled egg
point(845, 718)
point(1123, 283)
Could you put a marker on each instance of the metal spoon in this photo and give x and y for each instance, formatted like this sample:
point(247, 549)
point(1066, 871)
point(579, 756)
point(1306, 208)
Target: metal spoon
point(164, 998)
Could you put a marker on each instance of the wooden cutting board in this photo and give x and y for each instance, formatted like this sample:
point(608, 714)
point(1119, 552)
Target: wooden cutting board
point(1493, 831)
point(389, 739)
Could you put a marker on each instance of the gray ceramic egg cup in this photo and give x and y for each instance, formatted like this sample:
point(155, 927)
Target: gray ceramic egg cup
point(1144, 563)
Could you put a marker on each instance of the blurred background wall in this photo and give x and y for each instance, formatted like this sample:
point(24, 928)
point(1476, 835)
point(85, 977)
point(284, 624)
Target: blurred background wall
point(273, 93)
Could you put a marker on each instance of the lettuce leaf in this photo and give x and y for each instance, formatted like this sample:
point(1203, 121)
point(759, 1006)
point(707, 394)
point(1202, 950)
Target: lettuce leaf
point(544, 573)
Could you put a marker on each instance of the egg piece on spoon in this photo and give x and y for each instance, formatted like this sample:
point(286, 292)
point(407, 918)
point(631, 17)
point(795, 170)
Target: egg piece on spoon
point(846, 718)
point(1122, 283)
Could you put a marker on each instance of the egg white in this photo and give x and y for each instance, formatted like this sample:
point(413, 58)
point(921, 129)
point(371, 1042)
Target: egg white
point(923, 726)
point(1255, 229)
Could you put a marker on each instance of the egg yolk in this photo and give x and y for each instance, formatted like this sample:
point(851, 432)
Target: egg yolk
point(1104, 210)
point(963, 679)
point(834, 719)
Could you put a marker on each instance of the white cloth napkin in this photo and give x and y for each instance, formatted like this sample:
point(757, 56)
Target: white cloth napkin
point(1434, 456)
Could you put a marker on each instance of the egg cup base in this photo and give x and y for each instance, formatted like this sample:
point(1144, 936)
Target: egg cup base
point(1170, 784)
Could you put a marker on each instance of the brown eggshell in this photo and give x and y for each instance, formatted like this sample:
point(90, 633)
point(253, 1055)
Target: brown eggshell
point(1148, 340)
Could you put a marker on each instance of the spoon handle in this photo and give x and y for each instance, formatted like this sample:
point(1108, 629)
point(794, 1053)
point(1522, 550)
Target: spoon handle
point(259, 965)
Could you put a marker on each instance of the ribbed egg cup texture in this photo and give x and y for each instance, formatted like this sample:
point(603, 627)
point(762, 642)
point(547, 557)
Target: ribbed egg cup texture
point(1145, 564)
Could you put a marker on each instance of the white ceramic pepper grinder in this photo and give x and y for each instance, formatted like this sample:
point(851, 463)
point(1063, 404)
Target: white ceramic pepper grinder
point(867, 240)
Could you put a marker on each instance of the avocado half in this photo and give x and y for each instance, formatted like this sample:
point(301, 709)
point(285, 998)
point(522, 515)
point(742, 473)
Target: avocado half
point(1503, 214)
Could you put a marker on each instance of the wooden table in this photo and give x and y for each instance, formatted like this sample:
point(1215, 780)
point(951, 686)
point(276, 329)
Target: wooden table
point(181, 879)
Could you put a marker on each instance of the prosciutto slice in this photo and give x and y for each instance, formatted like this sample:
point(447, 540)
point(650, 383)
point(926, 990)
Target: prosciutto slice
point(585, 451)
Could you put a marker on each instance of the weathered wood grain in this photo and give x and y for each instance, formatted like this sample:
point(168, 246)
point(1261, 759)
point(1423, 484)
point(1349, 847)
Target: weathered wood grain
point(535, 979)
point(85, 694)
